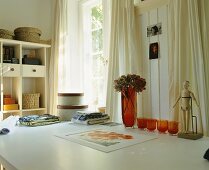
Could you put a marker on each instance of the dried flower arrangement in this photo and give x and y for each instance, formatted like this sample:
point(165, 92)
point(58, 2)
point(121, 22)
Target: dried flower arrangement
point(130, 80)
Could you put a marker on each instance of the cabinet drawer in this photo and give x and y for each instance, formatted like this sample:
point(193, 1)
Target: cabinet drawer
point(33, 71)
point(11, 70)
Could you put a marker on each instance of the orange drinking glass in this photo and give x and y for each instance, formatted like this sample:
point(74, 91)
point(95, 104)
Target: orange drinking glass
point(173, 127)
point(162, 126)
point(151, 124)
point(142, 123)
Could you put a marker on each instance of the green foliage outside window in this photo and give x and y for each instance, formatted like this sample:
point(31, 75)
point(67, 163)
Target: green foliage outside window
point(99, 62)
point(97, 17)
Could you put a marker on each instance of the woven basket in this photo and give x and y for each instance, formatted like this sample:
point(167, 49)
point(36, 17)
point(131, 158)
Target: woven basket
point(30, 101)
point(27, 34)
point(6, 34)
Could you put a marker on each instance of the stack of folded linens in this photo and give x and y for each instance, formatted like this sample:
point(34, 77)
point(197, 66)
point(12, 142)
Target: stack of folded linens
point(38, 120)
point(90, 118)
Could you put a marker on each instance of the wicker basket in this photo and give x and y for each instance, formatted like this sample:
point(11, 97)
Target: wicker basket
point(6, 34)
point(27, 34)
point(30, 101)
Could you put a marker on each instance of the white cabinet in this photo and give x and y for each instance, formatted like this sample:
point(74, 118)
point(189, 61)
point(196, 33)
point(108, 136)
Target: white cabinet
point(11, 70)
point(19, 78)
point(33, 71)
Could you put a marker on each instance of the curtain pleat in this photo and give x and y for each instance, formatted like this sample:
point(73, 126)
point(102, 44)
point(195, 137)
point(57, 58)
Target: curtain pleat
point(58, 50)
point(204, 27)
point(124, 54)
point(186, 57)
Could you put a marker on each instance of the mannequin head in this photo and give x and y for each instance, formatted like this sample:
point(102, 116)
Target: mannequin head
point(186, 84)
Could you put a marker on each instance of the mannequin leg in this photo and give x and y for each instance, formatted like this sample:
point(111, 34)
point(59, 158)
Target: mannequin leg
point(187, 120)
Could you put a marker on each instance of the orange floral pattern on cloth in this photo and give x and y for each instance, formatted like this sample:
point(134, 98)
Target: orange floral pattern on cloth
point(108, 135)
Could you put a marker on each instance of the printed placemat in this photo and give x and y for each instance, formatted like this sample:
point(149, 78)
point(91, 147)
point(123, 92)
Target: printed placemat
point(106, 140)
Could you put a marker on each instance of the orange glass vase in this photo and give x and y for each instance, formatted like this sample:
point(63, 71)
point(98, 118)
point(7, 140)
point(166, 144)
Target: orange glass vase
point(129, 107)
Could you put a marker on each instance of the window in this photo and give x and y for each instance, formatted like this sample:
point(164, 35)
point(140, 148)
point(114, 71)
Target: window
point(95, 63)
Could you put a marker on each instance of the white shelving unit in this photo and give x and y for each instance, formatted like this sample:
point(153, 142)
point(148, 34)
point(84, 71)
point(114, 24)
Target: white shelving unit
point(17, 79)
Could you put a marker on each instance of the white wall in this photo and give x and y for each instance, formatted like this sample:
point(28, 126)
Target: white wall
point(156, 97)
point(27, 13)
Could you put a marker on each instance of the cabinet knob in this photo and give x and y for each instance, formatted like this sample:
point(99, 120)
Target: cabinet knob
point(12, 69)
point(34, 70)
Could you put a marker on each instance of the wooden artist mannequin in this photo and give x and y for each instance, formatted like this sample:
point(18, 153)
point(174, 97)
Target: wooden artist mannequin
point(186, 96)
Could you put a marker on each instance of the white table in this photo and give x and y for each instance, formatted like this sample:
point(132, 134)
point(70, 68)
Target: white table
point(36, 148)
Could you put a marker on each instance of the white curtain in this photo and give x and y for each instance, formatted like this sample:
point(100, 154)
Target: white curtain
point(186, 57)
point(204, 27)
point(58, 50)
point(124, 54)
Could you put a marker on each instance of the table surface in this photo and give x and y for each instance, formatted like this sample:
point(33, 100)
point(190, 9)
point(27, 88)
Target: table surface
point(37, 148)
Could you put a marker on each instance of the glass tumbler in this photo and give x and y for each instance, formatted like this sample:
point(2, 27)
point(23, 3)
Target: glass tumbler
point(151, 124)
point(162, 126)
point(142, 123)
point(173, 127)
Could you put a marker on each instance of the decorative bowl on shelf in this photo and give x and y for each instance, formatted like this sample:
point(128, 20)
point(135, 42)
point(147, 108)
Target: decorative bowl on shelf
point(101, 109)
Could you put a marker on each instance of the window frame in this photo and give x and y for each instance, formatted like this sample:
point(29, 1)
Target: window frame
point(86, 7)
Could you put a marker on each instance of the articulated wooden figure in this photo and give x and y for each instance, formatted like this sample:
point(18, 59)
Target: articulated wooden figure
point(186, 98)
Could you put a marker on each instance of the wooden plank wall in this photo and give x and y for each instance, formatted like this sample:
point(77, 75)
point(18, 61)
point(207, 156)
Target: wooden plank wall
point(155, 102)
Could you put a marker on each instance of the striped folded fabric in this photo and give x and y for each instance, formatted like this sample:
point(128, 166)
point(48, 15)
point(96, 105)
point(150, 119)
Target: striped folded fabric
point(90, 118)
point(38, 120)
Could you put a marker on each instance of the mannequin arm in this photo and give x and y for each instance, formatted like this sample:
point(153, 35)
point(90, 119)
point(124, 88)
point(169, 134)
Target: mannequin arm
point(193, 97)
point(177, 101)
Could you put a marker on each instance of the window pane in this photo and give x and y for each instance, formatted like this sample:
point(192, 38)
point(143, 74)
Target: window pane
point(97, 43)
point(98, 80)
point(97, 17)
point(99, 64)
point(95, 63)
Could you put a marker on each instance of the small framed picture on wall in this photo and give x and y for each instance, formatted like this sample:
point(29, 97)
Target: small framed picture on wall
point(153, 51)
point(153, 30)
